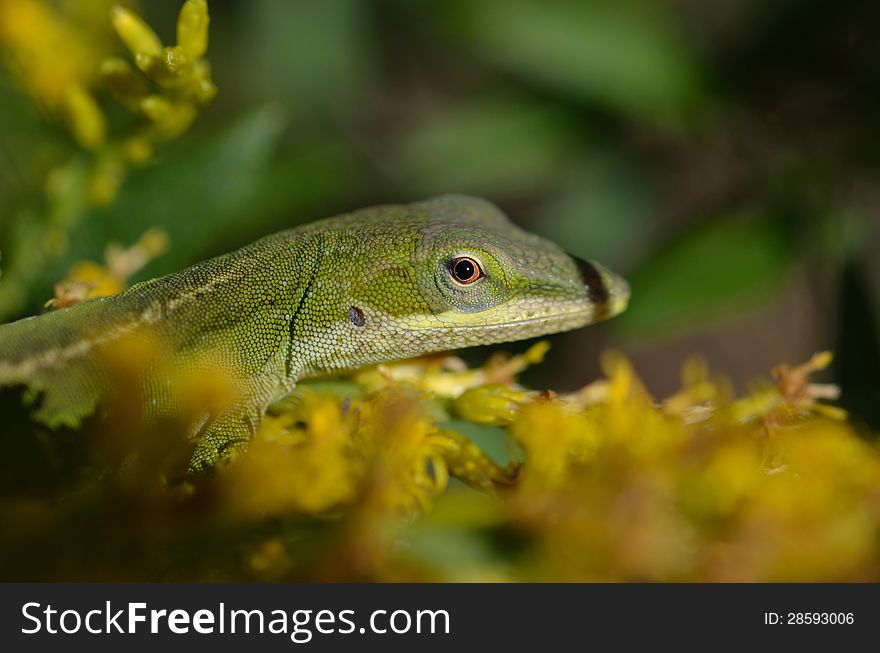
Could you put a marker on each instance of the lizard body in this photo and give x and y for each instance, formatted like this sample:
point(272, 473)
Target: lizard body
point(371, 286)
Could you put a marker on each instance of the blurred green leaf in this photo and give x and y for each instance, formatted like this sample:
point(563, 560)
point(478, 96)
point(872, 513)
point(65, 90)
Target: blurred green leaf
point(315, 55)
point(27, 148)
point(857, 345)
point(338, 387)
point(724, 266)
point(620, 54)
point(455, 548)
point(487, 145)
point(492, 440)
point(601, 212)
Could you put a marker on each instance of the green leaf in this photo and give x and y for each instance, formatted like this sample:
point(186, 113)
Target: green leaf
point(492, 440)
point(450, 548)
point(338, 387)
point(27, 148)
point(488, 146)
point(619, 54)
point(723, 267)
point(602, 212)
point(316, 57)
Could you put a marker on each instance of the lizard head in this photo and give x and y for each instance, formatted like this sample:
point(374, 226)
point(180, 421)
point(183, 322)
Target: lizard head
point(479, 273)
point(454, 272)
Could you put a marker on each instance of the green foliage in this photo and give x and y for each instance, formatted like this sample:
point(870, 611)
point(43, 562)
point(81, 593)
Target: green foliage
point(621, 54)
point(485, 145)
point(728, 265)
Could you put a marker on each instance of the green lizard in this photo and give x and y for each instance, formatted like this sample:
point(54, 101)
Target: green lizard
point(375, 285)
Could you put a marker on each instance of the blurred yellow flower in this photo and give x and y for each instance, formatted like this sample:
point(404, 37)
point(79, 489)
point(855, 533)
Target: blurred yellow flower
point(48, 53)
point(87, 279)
point(63, 56)
point(56, 58)
point(64, 60)
point(357, 479)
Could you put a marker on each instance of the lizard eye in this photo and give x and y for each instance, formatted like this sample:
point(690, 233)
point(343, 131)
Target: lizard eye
point(465, 270)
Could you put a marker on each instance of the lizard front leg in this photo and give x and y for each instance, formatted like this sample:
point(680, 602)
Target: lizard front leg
point(220, 437)
point(225, 430)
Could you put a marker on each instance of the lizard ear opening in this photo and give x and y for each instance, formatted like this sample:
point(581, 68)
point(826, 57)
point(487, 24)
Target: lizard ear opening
point(356, 316)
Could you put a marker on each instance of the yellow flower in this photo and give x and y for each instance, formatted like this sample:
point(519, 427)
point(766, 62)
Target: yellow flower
point(555, 438)
point(490, 404)
point(56, 58)
point(180, 73)
point(49, 53)
point(302, 460)
point(86, 279)
point(404, 452)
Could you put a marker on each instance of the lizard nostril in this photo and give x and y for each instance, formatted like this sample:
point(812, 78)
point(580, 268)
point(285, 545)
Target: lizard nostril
point(593, 280)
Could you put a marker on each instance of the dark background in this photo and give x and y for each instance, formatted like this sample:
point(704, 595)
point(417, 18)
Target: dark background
point(722, 155)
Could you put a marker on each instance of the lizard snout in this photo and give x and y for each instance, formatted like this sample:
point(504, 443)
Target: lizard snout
point(607, 290)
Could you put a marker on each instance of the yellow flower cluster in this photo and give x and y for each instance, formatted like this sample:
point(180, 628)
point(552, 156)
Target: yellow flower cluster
point(167, 89)
point(611, 485)
point(56, 58)
point(63, 56)
point(64, 60)
point(179, 73)
point(359, 479)
point(700, 487)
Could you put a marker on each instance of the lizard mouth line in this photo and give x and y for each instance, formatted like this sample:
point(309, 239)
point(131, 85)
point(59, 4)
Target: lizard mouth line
point(529, 321)
point(582, 315)
point(565, 316)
